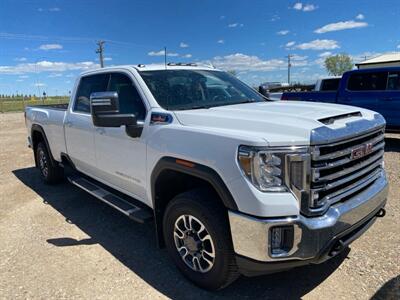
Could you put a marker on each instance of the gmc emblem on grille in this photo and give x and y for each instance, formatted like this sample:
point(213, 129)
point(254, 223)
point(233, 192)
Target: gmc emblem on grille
point(361, 151)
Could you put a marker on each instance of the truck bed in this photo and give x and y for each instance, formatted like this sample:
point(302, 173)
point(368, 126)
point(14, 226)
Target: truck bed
point(63, 106)
point(314, 96)
point(50, 118)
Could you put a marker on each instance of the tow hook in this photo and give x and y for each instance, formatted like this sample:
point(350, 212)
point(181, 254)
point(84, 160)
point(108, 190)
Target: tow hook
point(381, 213)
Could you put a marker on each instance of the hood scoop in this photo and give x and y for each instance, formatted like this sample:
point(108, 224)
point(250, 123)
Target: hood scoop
point(332, 120)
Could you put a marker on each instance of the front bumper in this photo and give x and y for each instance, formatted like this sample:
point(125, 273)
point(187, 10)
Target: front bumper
point(314, 238)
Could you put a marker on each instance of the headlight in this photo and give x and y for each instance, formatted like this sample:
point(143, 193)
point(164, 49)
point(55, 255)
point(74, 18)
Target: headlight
point(266, 167)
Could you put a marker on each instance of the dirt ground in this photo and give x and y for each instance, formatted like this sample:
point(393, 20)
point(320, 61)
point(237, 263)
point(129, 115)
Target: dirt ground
point(58, 242)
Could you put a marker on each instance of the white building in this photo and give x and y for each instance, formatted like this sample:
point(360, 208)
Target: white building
point(384, 60)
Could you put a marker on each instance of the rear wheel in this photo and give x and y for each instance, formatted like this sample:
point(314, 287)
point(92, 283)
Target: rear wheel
point(50, 174)
point(197, 237)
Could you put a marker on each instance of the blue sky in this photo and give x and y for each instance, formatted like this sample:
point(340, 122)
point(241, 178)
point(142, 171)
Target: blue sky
point(45, 44)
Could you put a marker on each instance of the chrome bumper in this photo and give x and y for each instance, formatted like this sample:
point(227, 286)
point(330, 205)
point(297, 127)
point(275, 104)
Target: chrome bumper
point(251, 235)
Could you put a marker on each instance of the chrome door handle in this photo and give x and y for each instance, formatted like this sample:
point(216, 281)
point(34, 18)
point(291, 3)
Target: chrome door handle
point(100, 131)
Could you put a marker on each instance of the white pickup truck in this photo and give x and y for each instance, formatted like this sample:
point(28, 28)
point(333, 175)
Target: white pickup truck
point(235, 184)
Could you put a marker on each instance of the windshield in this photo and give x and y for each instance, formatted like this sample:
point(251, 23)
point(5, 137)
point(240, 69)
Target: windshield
point(191, 89)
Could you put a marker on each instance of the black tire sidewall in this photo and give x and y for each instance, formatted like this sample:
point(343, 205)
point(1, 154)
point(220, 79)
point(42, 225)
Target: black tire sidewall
point(184, 205)
point(54, 173)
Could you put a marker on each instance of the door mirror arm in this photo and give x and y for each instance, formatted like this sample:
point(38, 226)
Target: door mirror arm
point(134, 131)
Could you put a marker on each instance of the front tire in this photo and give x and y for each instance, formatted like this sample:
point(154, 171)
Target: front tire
point(197, 237)
point(51, 174)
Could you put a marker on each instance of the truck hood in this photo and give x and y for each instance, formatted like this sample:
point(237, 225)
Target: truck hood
point(277, 123)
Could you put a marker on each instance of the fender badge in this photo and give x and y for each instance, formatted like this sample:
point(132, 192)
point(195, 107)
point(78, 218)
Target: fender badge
point(160, 119)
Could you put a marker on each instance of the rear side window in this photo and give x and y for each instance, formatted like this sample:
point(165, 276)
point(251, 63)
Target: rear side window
point(330, 84)
point(367, 81)
point(130, 101)
point(88, 85)
point(394, 81)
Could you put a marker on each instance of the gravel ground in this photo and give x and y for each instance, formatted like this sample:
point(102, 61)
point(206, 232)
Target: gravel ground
point(58, 242)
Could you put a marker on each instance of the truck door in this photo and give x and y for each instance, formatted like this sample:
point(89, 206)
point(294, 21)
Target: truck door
point(391, 101)
point(121, 159)
point(79, 128)
point(364, 89)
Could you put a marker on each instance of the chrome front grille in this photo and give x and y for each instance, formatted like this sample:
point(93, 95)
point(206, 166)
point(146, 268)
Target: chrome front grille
point(342, 169)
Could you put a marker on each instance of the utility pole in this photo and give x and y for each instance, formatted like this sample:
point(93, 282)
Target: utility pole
point(289, 65)
point(100, 51)
point(165, 57)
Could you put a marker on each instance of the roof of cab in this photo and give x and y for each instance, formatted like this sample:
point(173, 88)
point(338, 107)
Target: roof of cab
point(152, 67)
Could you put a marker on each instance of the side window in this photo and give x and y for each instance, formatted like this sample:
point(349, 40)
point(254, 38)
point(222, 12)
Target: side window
point(130, 101)
point(393, 81)
point(367, 81)
point(88, 85)
point(330, 84)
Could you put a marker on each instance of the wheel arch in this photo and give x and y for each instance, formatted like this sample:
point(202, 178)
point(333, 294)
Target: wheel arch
point(168, 171)
point(38, 135)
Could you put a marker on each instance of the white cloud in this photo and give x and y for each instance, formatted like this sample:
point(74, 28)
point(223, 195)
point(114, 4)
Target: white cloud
point(183, 45)
point(54, 75)
point(222, 17)
point(23, 76)
point(162, 53)
point(341, 26)
point(325, 54)
point(47, 66)
point(398, 46)
point(187, 55)
point(304, 7)
point(318, 45)
point(298, 6)
point(221, 41)
point(52, 9)
point(39, 84)
point(290, 44)
point(309, 7)
point(20, 59)
point(243, 62)
point(320, 62)
point(283, 32)
point(107, 58)
point(234, 25)
point(19, 80)
point(275, 18)
point(360, 17)
point(47, 47)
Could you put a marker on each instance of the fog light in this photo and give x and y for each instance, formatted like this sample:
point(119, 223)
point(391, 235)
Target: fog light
point(281, 240)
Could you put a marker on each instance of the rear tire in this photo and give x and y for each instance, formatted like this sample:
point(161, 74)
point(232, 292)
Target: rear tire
point(206, 255)
point(51, 174)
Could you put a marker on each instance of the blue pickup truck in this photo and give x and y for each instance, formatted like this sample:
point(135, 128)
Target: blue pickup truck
point(377, 89)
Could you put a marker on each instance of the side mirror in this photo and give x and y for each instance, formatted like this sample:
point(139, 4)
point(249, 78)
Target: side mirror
point(105, 113)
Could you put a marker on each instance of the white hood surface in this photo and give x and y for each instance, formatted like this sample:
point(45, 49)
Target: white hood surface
point(279, 123)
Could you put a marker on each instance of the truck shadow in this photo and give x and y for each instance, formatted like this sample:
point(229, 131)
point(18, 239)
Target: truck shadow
point(134, 245)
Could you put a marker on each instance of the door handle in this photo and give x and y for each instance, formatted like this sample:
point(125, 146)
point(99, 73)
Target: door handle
point(100, 131)
point(68, 124)
point(387, 99)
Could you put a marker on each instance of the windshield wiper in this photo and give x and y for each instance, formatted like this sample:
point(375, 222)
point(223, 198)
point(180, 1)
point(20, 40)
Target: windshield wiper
point(199, 107)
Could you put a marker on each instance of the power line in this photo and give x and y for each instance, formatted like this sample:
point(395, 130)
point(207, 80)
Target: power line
point(100, 51)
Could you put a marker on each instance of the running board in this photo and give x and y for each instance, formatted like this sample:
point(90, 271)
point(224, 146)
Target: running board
point(138, 214)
